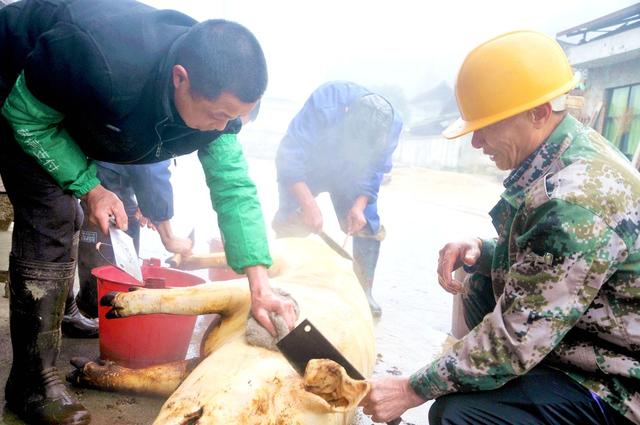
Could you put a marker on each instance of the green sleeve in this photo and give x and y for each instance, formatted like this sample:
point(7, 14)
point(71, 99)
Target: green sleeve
point(38, 131)
point(486, 257)
point(235, 199)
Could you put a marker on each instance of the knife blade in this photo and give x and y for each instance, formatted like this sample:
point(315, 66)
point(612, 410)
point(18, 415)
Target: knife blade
point(125, 255)
point(305, 342)
point(335, 245)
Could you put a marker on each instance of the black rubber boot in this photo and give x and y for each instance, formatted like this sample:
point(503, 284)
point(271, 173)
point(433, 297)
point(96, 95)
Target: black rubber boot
point(376, 310)
point(74, 323)
point(365, 259)
point(34, 391)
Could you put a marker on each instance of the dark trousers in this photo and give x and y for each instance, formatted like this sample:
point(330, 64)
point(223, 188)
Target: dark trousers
point(544, 395)
point(45, 217)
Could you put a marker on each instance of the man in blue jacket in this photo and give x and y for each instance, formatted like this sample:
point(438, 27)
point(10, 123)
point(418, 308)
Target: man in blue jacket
point(115, 81)
point(341, 142)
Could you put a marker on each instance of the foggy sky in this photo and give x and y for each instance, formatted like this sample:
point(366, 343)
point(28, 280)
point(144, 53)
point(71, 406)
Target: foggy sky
point(410, 44)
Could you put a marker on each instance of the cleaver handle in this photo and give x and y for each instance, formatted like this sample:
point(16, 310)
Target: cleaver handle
point(396, 421)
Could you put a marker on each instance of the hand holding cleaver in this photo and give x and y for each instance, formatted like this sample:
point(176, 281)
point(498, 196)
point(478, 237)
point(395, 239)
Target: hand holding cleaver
point(305, 342)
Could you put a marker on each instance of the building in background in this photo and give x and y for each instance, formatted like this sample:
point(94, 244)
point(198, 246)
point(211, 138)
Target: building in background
point(423, 145)
point(607, 52)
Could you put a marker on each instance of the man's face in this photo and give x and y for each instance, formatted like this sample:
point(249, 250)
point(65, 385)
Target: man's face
point(201, 113)
point(507, 142)
point(205, 115)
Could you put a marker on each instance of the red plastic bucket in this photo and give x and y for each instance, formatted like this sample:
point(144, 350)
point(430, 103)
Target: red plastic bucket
point(141, 341)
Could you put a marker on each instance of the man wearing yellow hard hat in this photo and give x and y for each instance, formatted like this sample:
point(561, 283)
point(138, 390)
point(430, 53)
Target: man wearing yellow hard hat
point(553, 303)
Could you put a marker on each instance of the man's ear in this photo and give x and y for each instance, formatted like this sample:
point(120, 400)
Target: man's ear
point(540, 115)
point(180, 76)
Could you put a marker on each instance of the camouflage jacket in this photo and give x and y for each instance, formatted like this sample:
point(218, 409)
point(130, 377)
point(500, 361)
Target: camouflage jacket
point(565, 270)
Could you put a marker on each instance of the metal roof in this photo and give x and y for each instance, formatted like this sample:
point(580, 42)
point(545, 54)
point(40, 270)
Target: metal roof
point(607, 25)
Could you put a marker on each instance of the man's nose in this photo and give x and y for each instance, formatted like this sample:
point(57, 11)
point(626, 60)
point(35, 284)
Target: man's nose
point(219, 125)
point(476, 140)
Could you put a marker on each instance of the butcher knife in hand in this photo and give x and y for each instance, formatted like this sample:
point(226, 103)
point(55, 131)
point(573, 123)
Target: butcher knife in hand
point(305, 343)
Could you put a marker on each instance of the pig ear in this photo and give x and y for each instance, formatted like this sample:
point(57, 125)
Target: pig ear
point(331, 383)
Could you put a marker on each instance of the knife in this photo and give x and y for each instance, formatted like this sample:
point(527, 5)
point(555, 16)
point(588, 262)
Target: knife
point(335, 245)
point(305, 342)
point(125, 255)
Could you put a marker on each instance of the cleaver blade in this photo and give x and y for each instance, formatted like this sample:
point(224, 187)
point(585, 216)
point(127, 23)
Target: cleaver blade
point(305, 342)
point(125, 255)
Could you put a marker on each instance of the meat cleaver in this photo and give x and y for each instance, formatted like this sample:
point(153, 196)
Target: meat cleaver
point(305, 342)
point(124, 253)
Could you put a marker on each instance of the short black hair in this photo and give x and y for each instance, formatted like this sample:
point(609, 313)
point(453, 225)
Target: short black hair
point(223, 56)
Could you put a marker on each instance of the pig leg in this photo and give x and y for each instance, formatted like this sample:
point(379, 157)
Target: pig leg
point(224, 298)
point(159, 380)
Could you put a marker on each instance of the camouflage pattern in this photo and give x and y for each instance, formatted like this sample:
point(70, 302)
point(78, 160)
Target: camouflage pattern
point(565, 270)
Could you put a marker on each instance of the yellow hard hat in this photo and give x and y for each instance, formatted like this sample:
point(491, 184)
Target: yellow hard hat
point(506, 75)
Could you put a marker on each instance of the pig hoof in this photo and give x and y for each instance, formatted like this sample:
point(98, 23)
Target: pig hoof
point(77, 377)
point(79, 362)
point(112, 314)
point(107, 300)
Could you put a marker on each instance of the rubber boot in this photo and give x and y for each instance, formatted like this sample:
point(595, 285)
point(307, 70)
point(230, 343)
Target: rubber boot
point(74, 323)
point(34, 391)
point(88, 259)
point(365, 259)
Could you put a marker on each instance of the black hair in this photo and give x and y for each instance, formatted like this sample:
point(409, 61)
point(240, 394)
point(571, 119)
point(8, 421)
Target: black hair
point(223, 56)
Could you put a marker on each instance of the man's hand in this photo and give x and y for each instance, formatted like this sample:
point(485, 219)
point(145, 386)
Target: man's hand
point(389, 398)
point(264, 300)
point(103, 204)
point(177, 245)
point(171, 242)
point(144, 221)
point(355, 217)
point(452, 256)
point(309, 213)
point(311, 216)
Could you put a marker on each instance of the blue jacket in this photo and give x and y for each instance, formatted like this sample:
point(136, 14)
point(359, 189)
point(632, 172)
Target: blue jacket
point(313, 151)
point(146, 186)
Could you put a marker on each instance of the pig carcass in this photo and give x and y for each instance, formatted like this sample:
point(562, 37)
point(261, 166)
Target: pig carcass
point(236, 383)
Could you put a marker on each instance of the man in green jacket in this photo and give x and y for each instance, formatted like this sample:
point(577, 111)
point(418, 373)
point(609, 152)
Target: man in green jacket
point(553, 301)
point(117, 81)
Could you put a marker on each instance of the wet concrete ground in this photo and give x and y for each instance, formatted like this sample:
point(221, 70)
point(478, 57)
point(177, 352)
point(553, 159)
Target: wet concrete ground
point(421, 210)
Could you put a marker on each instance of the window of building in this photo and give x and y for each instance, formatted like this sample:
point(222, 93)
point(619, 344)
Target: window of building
point(622, 121)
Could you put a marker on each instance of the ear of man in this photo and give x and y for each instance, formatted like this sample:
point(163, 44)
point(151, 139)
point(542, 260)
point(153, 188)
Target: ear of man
point(180, 75)
point(540, 115)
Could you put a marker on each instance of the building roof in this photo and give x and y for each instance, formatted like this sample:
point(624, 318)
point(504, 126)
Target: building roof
point(604, 26)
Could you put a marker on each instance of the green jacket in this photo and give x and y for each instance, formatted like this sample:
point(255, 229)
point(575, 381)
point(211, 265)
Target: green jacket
point(565, 271)
point(39, 131)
